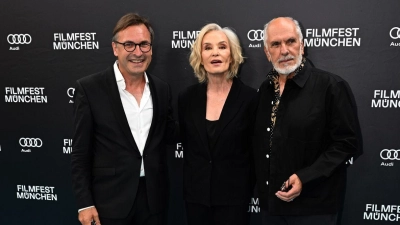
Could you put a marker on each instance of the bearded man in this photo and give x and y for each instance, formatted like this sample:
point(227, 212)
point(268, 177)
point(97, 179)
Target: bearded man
point(305, 131)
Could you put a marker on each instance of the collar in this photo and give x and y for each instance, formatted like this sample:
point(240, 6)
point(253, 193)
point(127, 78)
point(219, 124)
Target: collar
point(120, 79)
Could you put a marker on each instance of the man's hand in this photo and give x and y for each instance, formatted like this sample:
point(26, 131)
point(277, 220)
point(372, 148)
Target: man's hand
point(295, 191)
point(86, 216)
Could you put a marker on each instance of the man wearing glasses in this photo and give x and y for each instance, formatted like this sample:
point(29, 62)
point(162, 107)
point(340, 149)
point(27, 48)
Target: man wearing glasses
point(122, 120)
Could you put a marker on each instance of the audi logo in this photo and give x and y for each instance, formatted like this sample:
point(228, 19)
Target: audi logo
point(70, 92)
point(30, 142)
point(390, 154)
point(255, 35)
point(395, 33)
point(15, 39)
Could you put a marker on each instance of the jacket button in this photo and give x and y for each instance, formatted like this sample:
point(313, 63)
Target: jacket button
point(267, 156)
point(268, 129)
point(266, 182)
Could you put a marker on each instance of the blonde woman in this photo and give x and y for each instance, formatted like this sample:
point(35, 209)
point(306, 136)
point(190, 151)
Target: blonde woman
point(216, 118)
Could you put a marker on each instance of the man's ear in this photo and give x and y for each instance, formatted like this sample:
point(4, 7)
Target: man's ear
point(114, 47)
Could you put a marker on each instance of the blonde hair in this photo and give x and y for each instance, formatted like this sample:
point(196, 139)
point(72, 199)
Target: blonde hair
point(234, 44)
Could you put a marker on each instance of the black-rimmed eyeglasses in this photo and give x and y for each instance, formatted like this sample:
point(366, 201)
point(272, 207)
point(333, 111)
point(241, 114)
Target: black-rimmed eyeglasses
point(131, 46)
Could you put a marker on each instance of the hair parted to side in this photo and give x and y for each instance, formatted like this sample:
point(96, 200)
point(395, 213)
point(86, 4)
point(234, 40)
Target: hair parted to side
point(296, 23)
point(131, 19)
point(234, 44)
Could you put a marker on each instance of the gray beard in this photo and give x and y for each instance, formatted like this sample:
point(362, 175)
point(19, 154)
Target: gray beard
point(288, 69)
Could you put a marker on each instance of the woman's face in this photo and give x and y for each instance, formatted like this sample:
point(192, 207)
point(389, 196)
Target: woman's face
point(215, 53)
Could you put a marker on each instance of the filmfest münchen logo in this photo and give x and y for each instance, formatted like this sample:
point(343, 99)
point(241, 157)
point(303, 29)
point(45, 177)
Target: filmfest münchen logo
point(389, 156)
point(386, 99)
point(33, 192)
point(18, 39)
point(256, 36)
point(332, 37)
point(183, 39)
point(382, 212)
point(254, 205)
point(75, 41)
point(179, 151)
point(27, 142)
point(25, 95)
point(67, 148)
point(394, 33)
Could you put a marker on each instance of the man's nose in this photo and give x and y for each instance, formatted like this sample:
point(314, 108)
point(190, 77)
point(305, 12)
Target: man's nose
point(137, 51)
point(284, 50)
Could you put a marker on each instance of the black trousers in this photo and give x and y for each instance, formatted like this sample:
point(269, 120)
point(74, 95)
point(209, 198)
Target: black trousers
point(140, 212)
point(328, 219)
point(198, 214)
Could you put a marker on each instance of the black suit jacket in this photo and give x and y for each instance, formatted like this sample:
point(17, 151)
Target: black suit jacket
point(105, 159)
point(219, 174)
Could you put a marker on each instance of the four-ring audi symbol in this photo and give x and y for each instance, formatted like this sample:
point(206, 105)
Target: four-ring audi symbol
point(16, 39)
point(70, 92)
point(391, 154)
point(255, 35)
point(395, 33)
point(30, 142)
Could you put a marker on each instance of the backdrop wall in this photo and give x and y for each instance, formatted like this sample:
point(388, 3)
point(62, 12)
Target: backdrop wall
point(46, 45)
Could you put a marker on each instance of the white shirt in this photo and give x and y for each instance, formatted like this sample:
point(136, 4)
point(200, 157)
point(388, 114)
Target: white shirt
point(139, 116)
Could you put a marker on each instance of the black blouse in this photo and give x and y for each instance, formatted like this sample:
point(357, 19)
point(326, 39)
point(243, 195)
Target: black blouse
point(211, 126)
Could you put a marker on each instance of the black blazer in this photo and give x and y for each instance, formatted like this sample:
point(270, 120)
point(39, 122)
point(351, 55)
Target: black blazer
point(220, 174)
point(105, 159)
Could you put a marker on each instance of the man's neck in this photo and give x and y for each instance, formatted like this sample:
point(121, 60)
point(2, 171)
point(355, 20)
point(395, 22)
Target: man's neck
point(135, 85)
point(134, 80)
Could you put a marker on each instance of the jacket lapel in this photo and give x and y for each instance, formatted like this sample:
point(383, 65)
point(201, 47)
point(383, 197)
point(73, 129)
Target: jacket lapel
point(116, 103)
point(199, 112)
point(230, 108)
point(154, 98)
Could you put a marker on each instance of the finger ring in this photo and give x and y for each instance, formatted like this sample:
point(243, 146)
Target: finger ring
point(291, 199)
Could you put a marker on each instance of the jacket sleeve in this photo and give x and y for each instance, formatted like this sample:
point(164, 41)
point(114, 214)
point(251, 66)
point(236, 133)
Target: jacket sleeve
point(341, 133)
point(82, 153)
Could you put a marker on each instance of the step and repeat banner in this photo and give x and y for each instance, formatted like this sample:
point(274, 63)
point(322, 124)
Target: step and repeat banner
point(45, 46)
